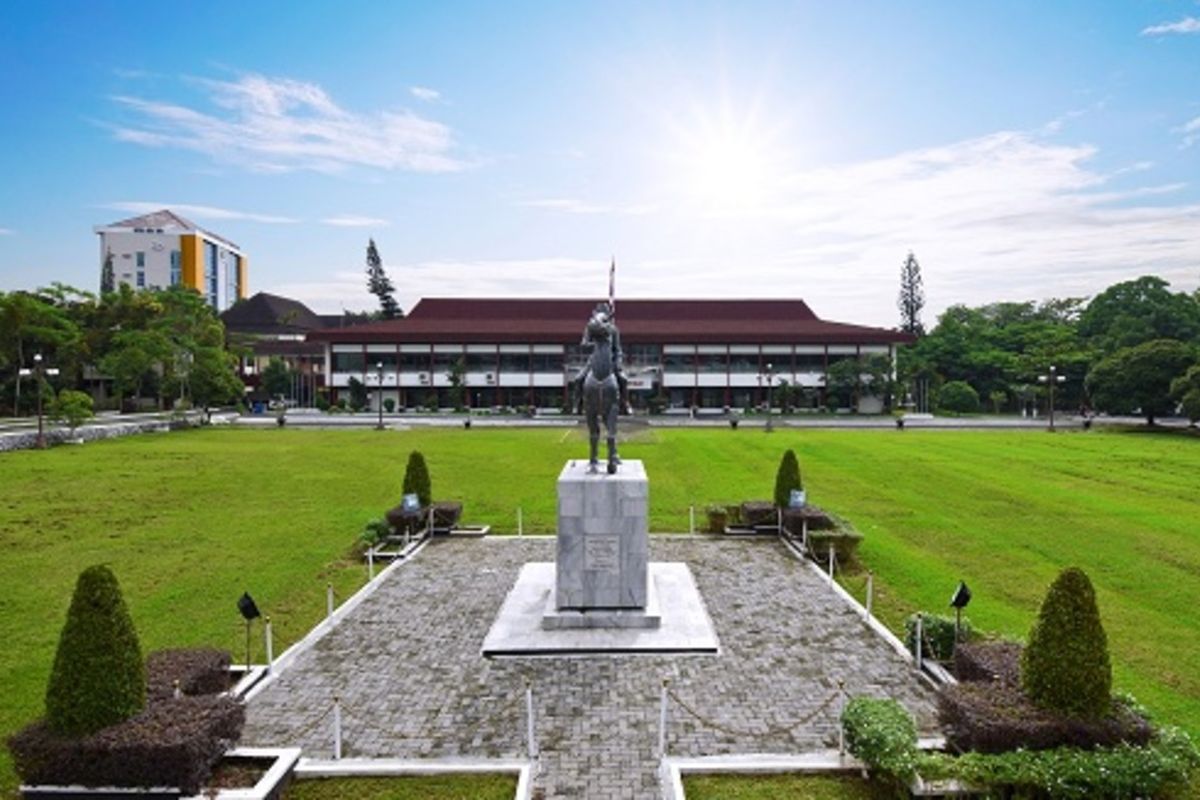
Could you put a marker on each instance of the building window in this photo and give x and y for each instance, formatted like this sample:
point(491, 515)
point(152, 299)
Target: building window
point(232, 285)
point(349, 362)
point(414, 362)
point(514, 362)
point(141, 260)
point(141, 279)
point(210, 273)
point(176, 269)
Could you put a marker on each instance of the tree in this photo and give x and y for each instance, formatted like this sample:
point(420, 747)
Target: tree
point(1065, 665)
point(358, 394)
point(912, 296)
point(276, 377)
point(1130, 313)
point(108, 279)
point(380, 285)
point(99, 677)
point(1185, 390)
point(1139, 378)
point(958, 396)
point(787, 478)
point(416, 478)
point(853, 377)
point(72, 408)
point(457, 377)
point(214, 379)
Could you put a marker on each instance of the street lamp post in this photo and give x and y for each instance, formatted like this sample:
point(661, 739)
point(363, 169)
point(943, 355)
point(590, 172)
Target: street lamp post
point(40, 370)
point(379, 376)
point(1052, 379)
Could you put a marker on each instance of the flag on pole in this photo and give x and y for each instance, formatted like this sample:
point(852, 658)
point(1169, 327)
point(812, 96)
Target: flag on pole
point(612, 288)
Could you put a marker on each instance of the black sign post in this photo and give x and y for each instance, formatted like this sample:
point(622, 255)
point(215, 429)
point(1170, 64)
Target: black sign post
point(249, 612)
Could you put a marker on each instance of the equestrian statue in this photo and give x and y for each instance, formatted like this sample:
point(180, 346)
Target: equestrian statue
point(600, 383)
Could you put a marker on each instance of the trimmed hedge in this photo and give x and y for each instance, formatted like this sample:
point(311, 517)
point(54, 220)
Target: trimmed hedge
point(882, 733)
point(994, 717)
point(98, 678)
point(758, 512)
point(171, 743)
point(938, 634)
point(1066, 666)
point(988, 661)
point(416, 478)
point(787, 478)
point(1164, 765)
point(199, 670)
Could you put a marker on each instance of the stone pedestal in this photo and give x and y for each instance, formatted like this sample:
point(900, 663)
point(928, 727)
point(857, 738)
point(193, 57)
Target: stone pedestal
point(603, 538)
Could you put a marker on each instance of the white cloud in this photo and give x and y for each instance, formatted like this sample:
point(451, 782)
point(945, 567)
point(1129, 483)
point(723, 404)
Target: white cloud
point(1191, 132)
point(425, 94)
point(355, 221)
point(283, 125)
point(572, 206)
point(1185, 25)
point(198, 212)
point(6, 231)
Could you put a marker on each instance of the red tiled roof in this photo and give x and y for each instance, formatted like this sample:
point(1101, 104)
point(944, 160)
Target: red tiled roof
point(561, 321)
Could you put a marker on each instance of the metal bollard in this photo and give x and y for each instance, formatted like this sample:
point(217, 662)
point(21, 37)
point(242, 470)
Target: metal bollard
point(337, 728)
point(177, 692)
point(520, 523)
point(370, 564)
point(870, 592)
point(529, 736)
point(270, 644)
point(831, 555)
point(841, 714)
point(662, 720)
point(917, 645)
point(804, 533)
point(691, 519)
point(328, 600)
point(779, 521)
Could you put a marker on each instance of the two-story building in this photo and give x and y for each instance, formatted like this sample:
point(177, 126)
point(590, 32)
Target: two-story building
point(525, 352)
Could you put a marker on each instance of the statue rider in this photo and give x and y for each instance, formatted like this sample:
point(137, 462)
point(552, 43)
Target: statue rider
point(602, 308)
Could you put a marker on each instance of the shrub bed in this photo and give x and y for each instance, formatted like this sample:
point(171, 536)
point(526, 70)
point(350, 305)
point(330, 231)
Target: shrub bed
point(938, 633)
point(758, 512)
point(199, 670)
point(842, 538)
point(818, 520)
point(171, 743)
point(988, 661)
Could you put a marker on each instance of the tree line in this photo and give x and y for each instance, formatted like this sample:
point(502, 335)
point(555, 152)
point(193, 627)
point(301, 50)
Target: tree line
point(167, 344)
point(1133, 348)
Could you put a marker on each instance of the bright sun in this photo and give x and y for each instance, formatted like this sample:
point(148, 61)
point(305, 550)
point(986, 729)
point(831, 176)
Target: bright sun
point(723, 163)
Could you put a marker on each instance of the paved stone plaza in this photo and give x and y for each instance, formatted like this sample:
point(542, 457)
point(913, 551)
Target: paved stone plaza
point(406, 664)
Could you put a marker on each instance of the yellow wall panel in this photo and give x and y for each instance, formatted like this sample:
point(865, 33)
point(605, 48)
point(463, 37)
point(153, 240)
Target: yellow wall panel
point(191, 261)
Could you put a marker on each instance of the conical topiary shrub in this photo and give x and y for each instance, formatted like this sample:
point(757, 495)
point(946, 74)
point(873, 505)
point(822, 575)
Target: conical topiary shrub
point(416, 478)
point(99, 677)
point(1065, 665)
point(787, 478)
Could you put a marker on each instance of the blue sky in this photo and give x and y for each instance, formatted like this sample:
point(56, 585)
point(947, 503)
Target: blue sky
point(1023, 150)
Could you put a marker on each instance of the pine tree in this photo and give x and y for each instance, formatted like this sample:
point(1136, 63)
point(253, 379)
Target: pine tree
point(99, 677)
point(912, 297)
point(416, 478)
point(108, 279)
point(787, 478)
point(380, 285)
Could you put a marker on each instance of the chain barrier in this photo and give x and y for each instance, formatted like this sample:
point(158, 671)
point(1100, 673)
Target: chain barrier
point(770, 730)
point(309, 726)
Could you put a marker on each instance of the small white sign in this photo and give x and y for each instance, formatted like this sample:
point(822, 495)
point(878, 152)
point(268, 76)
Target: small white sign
point(797, 499)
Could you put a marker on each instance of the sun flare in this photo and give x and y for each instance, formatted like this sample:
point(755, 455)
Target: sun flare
point(724, 164)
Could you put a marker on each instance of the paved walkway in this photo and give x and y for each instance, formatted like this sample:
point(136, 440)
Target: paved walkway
point(406, 664)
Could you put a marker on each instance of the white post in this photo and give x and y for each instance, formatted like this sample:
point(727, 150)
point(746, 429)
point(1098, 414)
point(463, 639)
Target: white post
point(328, 600)
point(779, 521)
point(831, 552)
point(520, 523)
point(370, 564)
point(841, 714)
point(917, 644)
point(406, 534)
point(431, 520)
point(804, 533)
point(177, 692)
point(337, 728)
point(691, 519)
point(529, 720)
point(270, 644)
point(662, 720)
point(870, 592)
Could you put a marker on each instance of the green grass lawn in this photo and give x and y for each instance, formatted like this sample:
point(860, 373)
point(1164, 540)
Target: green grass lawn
point(190, 520)
point(794, 786)
point(422, 787)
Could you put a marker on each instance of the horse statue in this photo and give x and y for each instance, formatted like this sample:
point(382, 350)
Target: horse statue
point(601, 391)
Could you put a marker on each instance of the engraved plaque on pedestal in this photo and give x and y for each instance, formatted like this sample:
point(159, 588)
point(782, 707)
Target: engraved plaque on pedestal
point(603, 537)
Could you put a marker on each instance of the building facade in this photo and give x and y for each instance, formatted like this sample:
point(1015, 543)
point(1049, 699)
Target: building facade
point(162, 249)
point(708, 354)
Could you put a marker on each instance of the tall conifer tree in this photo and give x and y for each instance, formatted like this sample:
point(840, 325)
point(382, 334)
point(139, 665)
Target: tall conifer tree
point(912, 297)
point(380, 285)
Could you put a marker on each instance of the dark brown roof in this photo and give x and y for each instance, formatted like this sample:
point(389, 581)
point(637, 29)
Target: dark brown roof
point(561, 321)
point(269, 314)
